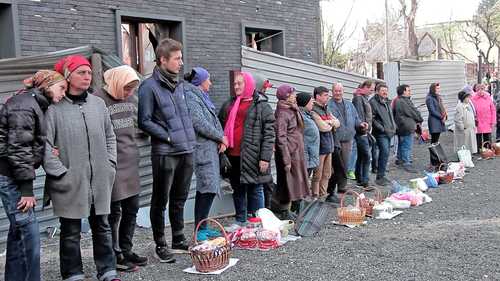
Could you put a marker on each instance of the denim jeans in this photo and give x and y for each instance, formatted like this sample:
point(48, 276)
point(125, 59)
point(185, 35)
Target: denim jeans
point(363, 159)
point(354, 155)
point(122, 221)
point(23, 241)
point(405, 148)
point(247, 198)
point(202, 204)
point(374, 159)
point(70, 252)
point(383, 143)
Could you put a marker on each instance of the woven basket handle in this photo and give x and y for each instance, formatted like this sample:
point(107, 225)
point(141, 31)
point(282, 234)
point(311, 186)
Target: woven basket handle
point(350, 191)
point(442, 164)
point(195, 233)
point(378, 194)
point(487, 145)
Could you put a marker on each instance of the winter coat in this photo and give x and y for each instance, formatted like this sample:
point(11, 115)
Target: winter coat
point(292, 182)
point(311, 140)
point(383, 120)
point(365, 113)
point(22, 138)
point(435, 119)
point(348, 118)
point(485, 113)
point(258, 138)
point(209, 134)
point(122, 114)
point(465, 128)
point(406, 116)
point(326, 142)
point(83, 173)
point(165, 117)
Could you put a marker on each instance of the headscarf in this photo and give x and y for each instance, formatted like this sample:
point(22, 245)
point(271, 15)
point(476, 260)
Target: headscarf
point(68, 64)
point(43, 79)
point(118, 77)
point(200, 76)
point(247, 93)
point(284, 91)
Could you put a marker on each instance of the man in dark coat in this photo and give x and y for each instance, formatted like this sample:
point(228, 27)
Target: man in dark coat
point(384, 129)
point(22, 145)
point(363, 135)
point(406, 116)
point(164, 115)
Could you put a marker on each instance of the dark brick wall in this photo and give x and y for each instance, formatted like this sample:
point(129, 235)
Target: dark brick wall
point(212, 28)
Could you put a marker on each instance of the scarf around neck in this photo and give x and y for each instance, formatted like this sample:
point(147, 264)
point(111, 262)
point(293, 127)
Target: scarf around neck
point(170, 79)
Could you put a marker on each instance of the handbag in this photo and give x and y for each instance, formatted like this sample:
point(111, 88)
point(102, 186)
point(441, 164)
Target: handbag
point(437, 155)
point(465, 157)
point(224, 165)
point(312, 218)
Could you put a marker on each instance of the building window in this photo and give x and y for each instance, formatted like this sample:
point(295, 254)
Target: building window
point(9, 45)
point(140, 35)
point(265, 39)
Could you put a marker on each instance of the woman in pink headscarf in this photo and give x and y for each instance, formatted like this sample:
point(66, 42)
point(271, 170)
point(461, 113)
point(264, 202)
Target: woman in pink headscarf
point(248, 122)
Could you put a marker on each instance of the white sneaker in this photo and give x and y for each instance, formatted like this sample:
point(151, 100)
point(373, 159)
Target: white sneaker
point(232, 228)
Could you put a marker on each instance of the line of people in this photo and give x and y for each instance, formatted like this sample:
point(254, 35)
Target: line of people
point(86, 140)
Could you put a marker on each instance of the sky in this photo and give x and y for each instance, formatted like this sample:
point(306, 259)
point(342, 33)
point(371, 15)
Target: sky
point(428, 12)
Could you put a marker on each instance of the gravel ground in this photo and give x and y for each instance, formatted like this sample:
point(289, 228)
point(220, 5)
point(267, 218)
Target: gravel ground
point(453, 238)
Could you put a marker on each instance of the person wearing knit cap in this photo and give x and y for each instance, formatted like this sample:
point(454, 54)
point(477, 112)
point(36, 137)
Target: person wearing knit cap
point(80, 176)
point(210, 142)
point(22, 147)
point(164, 115)
point(262, 84)
point(311, 131)
point(465, 124)
point(120, 85)
point(292, 178)
point(248, 119)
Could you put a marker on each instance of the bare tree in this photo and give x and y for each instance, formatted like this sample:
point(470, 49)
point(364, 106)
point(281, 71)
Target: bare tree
point(335, 41)
point(409, 18)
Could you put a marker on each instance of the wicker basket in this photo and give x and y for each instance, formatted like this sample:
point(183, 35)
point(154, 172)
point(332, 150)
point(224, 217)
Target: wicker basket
point(211, 260)
point(368, 203)
point(497, 148)
point(486, 151)
point(445, 177)
point(349, 216)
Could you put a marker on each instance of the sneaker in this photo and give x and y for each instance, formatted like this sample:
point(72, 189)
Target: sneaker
point(382, 181)
point(136, 259)
point(164, 254)
point(124, 265)
point(180, 247)
point(409, 168)
point(351, 175)
point(233, 227)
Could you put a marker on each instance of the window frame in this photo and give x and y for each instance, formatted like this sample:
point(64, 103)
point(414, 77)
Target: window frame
point(15, 26)
point(263, 27)
point(148, 17)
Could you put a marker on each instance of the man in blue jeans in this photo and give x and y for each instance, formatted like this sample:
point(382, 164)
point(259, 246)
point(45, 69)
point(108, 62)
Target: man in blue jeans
point(384, 129)
point(22, 145)
point(406, 116)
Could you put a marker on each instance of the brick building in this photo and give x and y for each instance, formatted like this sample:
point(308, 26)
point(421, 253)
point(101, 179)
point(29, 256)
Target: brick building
point(212, 31)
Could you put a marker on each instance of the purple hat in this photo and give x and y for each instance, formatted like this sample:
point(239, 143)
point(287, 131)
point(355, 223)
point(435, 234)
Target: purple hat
point(284, 91)
point(200, 76)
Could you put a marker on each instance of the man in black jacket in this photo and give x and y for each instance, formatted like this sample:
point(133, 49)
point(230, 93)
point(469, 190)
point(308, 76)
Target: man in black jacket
point(363, 137)
point(163, 114)
point(406, 116)
point(22, 145)
point(384, 129)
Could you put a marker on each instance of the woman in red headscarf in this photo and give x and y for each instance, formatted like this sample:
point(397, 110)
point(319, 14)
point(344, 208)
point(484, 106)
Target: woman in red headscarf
point(248, 122)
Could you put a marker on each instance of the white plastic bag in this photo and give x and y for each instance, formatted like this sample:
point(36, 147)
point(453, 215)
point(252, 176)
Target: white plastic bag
point(398, 204)
point(458, 169)
point(418, 184)
point(465, 157)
